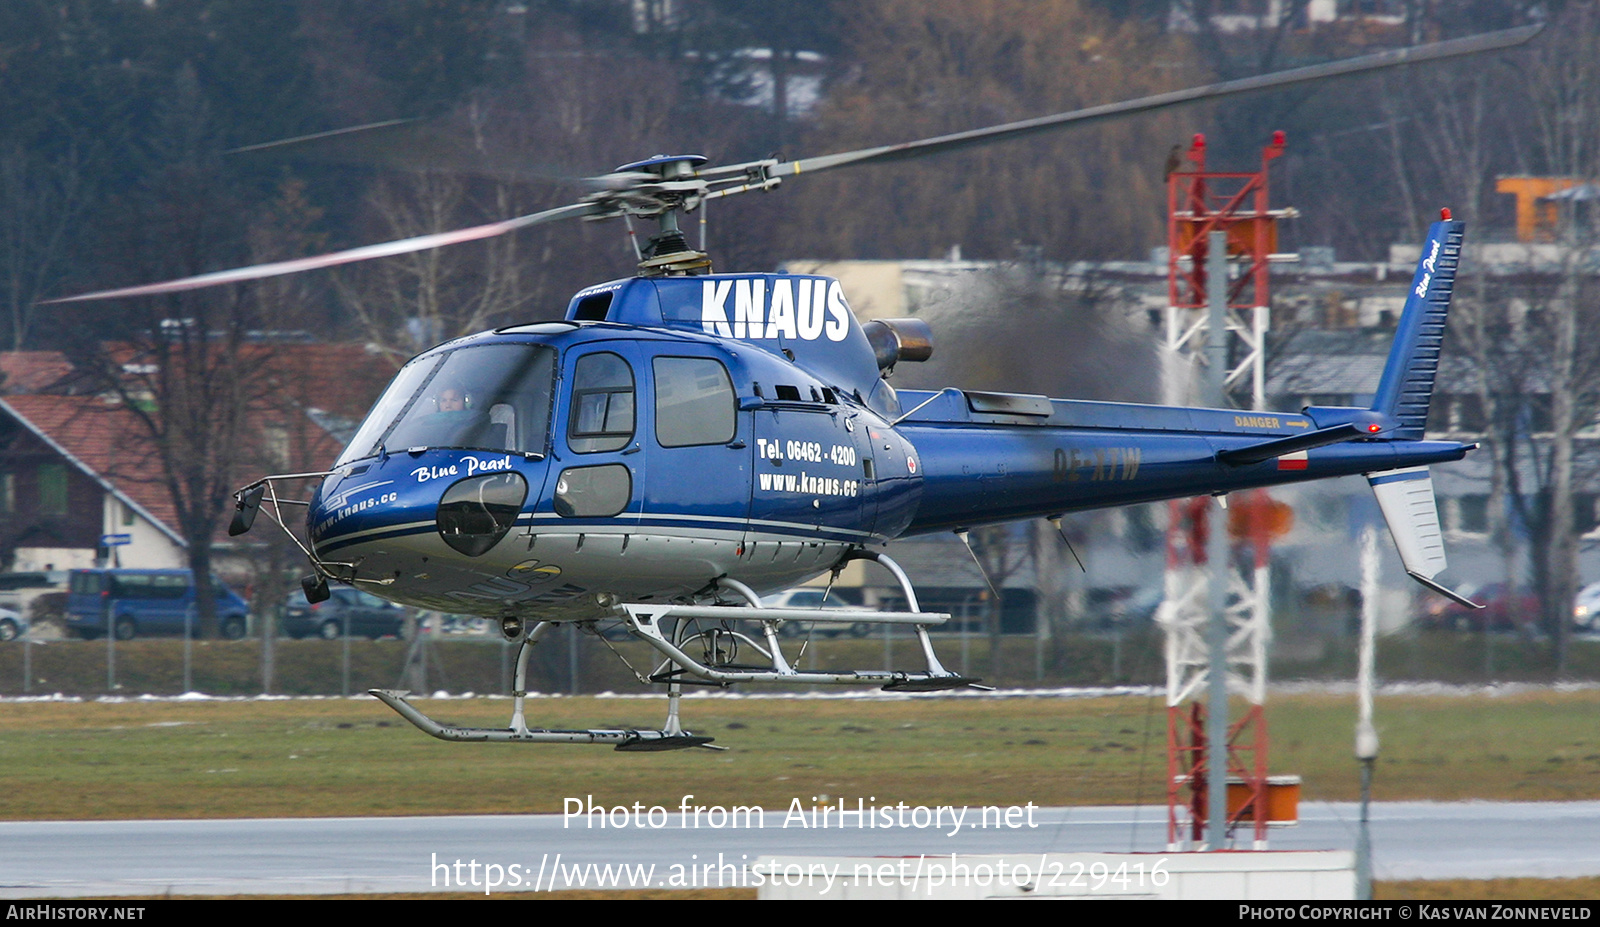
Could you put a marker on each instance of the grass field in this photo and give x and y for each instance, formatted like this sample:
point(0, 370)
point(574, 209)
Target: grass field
point(336, 757)
point(324, 757)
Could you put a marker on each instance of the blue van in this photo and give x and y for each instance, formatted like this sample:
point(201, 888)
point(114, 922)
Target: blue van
point(147, 602)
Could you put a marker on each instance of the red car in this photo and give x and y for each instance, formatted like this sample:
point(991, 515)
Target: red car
point(1503, 610)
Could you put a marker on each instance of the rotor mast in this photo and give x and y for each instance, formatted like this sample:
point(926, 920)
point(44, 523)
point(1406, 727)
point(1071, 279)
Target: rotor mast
point(662, 187)
point(659, 187)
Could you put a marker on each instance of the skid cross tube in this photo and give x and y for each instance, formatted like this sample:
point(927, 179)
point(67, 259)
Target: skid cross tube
point(644, 621)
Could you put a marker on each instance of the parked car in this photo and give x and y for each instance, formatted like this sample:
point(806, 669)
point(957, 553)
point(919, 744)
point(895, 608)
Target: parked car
point(813, 598)
point(1586, 609)
point(138, 602)
point(447, 623)
point(1114, 607)
point(19, 591)
point(1504, 609)
point(12, 625)
point(364, 614)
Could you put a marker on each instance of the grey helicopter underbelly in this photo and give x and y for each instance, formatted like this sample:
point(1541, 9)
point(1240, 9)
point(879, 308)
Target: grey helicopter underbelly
point(554, 572)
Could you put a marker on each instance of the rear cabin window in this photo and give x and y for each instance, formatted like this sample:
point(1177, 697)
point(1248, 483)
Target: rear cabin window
point(87, 583)
point(694, 402)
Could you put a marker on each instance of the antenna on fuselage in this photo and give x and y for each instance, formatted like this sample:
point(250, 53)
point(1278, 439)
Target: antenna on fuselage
point(1056, 520)
point(965, 539)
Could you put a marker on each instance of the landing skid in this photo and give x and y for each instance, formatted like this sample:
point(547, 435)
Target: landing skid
point(670, 737)
point(627, 741)
point(645, 622)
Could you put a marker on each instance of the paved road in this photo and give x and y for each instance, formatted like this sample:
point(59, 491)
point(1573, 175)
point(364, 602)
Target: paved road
point(1412, 840)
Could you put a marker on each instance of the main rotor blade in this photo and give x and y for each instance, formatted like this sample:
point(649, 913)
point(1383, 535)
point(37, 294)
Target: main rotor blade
point(315, 138)
point(364, 253)
point(1491, 41)
point(448, 144)
point(1472, 45)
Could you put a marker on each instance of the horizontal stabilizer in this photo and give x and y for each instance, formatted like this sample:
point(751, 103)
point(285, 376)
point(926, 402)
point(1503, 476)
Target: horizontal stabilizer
point(1267, 450)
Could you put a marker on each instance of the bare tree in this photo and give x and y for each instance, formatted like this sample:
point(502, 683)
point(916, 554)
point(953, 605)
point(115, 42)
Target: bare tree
point(191, 367)
point(1239, 42)
point(41, 202)
point(1002, 551)
point(189, 384)
point(927, 68)
point(285, 438)
point(1534, 340)
point(561, 119)
point(1034, 327)
point(409, 303)
point(1564, 87)
point(1449, 152)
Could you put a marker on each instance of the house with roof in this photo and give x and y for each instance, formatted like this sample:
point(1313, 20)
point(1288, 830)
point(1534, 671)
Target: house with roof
point(77, 470)
point(74, 469)
point(33, 371)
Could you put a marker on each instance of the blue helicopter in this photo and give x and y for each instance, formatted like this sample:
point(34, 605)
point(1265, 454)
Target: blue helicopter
point(684, 442)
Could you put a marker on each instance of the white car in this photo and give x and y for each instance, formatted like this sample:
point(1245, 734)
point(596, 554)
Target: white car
point(1586, 611)
point(12, 625)
point(813, 598)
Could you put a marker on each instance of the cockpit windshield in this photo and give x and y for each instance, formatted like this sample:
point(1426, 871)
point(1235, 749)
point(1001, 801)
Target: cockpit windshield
point(490, 397)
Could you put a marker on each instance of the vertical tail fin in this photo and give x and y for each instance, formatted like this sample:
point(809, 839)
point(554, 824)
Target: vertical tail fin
point(1407, 385)
point(1406, 498)
point(1404, 393)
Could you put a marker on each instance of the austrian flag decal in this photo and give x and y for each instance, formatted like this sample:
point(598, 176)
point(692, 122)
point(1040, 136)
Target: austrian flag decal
point(1295, 461)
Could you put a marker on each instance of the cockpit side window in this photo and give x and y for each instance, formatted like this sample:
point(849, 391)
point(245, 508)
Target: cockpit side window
point(601, 418)
point(395, 401)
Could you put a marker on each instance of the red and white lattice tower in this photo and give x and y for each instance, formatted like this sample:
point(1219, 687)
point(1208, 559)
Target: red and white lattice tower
point(1200, 202)
point(1253, 520)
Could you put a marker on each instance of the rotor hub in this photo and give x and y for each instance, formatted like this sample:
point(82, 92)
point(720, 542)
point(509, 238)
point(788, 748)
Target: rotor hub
point(661, 187)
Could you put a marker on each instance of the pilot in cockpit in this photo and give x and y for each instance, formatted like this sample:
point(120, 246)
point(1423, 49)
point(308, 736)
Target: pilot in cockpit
point(451, 399)
point(446, 417)
point(459, 421)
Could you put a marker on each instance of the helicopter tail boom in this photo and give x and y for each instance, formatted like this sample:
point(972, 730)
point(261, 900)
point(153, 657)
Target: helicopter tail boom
point(1044, 456)
point(1034, 472)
